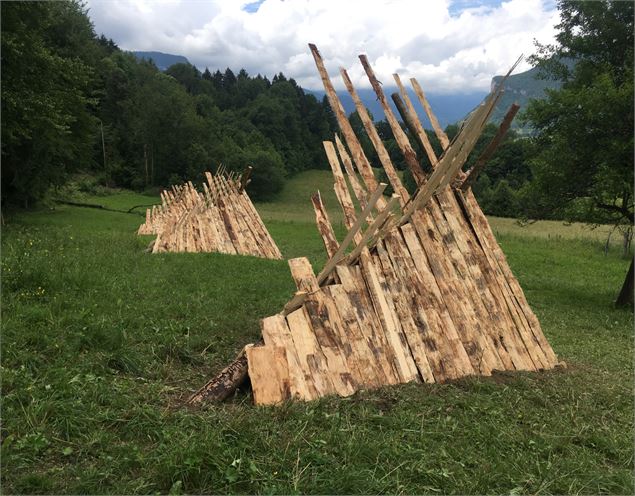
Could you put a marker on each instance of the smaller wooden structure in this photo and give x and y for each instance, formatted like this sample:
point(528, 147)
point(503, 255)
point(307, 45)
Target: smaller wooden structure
point(220, 219)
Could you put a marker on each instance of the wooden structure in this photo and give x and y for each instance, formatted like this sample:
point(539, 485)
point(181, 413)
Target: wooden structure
point(418, 290)
point(221, 219)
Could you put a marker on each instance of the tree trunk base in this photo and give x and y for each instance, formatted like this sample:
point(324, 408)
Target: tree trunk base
point(626, 296)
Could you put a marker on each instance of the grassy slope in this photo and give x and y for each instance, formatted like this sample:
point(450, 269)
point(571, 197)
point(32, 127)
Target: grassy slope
point(101, 342)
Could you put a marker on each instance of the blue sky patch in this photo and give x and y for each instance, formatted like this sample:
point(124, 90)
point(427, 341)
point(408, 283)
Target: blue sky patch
point(253, 6)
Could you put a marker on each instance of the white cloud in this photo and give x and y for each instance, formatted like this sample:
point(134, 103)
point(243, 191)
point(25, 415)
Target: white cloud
point(446, 53)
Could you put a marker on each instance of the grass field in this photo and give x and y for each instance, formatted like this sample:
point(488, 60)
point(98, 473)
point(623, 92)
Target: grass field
point(101, 343)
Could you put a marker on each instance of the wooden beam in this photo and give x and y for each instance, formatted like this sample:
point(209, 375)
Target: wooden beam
point(358, 189)
point(479, 165)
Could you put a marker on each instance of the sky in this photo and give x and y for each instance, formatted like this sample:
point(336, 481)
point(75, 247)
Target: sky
point(450, 46)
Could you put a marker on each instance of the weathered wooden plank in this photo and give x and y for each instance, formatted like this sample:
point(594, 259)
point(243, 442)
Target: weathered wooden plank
point(402, 359)
point(369, 323)
point(358, 189)
point(276, 332)
point(322, 316)
point(269, 374)
point(445, 351)
point(341, 190)
point(310, 356)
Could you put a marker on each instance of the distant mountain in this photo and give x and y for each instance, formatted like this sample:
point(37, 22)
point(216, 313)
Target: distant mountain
point(520, 88)
point(447, 108)
point(161, 60)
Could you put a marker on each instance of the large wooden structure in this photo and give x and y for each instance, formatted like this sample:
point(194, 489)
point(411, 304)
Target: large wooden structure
point(418, 290)
point(221, 219)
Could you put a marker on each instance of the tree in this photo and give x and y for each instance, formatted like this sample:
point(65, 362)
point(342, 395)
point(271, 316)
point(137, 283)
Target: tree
point(47, 128)
point(584, 167)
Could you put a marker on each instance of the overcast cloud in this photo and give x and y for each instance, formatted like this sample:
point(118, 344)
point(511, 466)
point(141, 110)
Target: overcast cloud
point(449, 45)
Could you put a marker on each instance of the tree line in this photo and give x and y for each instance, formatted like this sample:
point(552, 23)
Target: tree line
point(73, 101)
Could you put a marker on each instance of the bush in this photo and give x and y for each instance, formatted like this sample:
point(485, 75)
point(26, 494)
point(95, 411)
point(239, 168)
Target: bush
point(267, 178)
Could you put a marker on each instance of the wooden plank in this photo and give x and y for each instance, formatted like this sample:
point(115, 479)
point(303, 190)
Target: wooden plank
point(276, 332)
point(536, 342)
point(446, 353)
point(269, 374)
point(303, 275)
point(402, 359)
point(310, 357)
point(323, 317)
point(401, 294)
point(369, 324)
point(443, 138)
point(497, 319)
point(324, 226)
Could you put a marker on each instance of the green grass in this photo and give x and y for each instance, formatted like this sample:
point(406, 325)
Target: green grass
point(102, 342)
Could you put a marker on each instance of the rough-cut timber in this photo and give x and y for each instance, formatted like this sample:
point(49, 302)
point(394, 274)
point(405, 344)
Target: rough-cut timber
point(221, 219)
point(418, 290)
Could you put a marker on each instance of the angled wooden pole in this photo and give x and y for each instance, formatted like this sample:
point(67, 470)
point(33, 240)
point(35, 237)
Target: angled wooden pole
point(324, 225)
point(341, 190)
point(402, 140)
point(443, 138)
point(358, 189)
point(378, 144)
point(361, 162)
point(479, 165)
point(413, 120)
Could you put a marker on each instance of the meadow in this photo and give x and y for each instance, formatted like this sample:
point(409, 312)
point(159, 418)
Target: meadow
point(102, 343)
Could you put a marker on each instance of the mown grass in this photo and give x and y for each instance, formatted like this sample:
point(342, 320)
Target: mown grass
point(102, 342)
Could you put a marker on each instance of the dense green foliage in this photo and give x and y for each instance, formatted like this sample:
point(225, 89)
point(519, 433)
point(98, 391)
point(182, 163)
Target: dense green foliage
point(101, 342)
point(64, 88)
point(583, 169)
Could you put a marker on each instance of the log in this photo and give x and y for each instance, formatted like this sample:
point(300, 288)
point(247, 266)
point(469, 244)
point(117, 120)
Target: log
point(223, 385)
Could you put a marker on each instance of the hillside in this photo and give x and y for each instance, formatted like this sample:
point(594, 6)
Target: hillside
point(160, 59)
point(447, 108)
point(520, 88)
